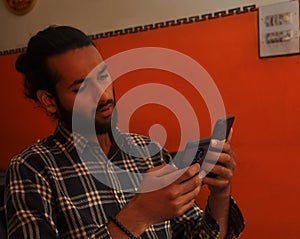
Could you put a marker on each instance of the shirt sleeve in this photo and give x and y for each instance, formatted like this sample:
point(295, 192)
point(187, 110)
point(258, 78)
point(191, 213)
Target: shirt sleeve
point(29, 206)
point(236, 224)
point(196, 223)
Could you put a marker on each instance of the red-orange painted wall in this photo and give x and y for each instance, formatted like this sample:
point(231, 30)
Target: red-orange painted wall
point(263, 94)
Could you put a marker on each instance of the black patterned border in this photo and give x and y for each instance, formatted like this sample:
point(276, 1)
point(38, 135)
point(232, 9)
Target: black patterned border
point(168, 23)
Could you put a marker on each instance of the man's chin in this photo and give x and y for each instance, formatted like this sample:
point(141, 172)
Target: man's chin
point(102, 128)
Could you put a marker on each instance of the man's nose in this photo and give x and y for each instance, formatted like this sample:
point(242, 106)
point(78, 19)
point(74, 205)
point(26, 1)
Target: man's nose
point(99, 91)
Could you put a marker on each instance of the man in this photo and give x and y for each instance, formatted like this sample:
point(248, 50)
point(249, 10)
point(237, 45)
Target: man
point(65, 186)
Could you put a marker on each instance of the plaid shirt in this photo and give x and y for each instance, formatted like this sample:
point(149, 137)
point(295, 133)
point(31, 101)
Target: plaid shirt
point(52, 193)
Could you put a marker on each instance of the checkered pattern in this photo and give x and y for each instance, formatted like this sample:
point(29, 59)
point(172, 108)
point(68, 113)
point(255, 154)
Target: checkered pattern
point(53, 190)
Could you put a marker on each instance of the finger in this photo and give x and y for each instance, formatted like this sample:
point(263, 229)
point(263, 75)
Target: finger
point(230, 135)
point(186, 202)
point(189, 173)
point(227, 149)
point(190, 196)
point(216, 182)
point(159, 177)
point(224, 163)
point(186, 196)
point(212, 156)
point(161, 170)
point(224, 160)
point(206, 168)
point(191, 184)
point(216, 145)
point(211, 159)
point(227, 157)
point(167, 175)
point(222, 172)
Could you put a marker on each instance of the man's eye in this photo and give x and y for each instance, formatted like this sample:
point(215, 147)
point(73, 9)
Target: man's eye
point(80, 89)
point(76, 91)
point(103, 77)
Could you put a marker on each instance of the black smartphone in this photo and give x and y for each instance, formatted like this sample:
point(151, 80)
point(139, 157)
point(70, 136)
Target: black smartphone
point(221, 132)
point(222, 128)
point(196, 150)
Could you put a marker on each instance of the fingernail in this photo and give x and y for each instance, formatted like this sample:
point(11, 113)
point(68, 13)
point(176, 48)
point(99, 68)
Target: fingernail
point(214, 143)
point(202, 174)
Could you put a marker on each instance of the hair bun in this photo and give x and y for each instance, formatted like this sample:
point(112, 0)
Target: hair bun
point(22, 63)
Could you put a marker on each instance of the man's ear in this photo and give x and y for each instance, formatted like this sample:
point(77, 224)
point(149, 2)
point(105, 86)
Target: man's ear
point(47, 101)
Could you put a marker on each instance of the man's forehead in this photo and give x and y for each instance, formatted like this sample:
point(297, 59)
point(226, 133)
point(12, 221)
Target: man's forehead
point(77, 63)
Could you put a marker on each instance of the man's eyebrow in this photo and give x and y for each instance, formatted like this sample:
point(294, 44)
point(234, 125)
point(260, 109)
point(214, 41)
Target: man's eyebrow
point(80, 81)
point(77, 82)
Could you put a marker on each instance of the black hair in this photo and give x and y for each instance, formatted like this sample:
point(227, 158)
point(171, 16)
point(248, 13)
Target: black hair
point(51, 41)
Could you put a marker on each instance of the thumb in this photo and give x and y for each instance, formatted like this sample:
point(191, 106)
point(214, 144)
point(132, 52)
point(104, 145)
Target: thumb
point(230, 135)
point(161, 170)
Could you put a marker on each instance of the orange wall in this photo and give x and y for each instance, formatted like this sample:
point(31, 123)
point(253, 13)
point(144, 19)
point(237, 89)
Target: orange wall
point(261, 93)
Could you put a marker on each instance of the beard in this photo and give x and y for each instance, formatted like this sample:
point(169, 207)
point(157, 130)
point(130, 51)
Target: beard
point(109, 124)
point(87, 126)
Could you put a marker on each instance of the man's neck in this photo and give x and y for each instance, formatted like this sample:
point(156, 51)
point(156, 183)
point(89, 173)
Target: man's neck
point(103, 138)
point(104, 142)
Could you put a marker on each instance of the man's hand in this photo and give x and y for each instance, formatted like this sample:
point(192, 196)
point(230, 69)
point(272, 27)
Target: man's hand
point(219, 185)
point(222, 166)
point(175, 192)
point(178, 190)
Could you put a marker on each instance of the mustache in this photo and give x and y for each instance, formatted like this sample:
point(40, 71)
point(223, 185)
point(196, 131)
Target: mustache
point(108, 102)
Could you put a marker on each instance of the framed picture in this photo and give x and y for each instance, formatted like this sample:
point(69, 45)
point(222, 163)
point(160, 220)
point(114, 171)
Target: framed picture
point(278, 29)
point(19, 7)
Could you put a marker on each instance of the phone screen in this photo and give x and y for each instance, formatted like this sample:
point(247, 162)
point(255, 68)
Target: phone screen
point(194, 152)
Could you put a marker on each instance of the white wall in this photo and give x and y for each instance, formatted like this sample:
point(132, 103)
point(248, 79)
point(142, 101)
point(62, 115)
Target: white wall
point(96, 16)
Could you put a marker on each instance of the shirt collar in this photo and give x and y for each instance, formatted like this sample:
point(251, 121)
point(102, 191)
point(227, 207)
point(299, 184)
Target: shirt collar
point(71, 139)
point(74, 139)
